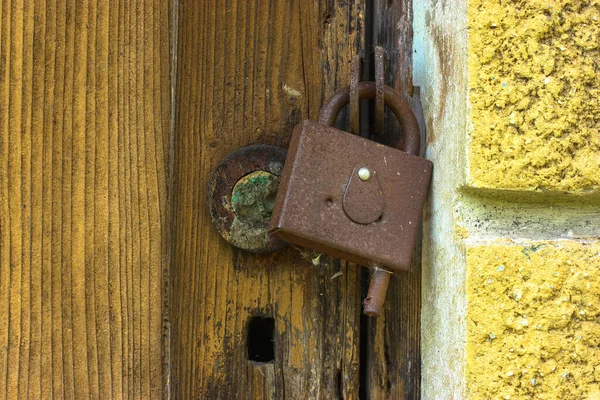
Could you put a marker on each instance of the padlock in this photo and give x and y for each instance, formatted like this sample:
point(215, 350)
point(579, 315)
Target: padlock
point(350, 197)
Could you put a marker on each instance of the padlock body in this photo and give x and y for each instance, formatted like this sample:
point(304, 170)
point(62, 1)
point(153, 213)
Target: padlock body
point(311, 209)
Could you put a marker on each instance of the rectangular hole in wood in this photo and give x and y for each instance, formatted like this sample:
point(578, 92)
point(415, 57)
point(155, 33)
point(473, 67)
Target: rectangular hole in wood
point(261, 339)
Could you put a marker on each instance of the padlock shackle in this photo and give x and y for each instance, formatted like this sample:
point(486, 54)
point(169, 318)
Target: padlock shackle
point(392, 98)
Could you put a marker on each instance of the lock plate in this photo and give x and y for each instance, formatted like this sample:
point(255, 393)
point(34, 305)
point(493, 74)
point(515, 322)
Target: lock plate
point(309, 208)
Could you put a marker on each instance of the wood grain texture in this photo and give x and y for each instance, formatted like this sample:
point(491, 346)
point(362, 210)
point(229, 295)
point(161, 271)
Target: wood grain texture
point(394, 362)
point(247, 73)
point(84, 149)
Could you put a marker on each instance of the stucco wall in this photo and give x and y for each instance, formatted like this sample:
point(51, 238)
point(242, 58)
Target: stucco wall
point(534, 85)
point(511, 304)
point(532, 328)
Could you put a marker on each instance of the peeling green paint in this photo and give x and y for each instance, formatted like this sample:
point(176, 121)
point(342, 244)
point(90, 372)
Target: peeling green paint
point(252, 200)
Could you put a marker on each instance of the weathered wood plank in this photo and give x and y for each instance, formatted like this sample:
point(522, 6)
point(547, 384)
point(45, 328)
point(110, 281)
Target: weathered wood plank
point(84, 139)
point(394, 339)
point(247, 73)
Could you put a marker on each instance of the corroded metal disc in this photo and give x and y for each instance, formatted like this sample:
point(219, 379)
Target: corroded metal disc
point(241, 194)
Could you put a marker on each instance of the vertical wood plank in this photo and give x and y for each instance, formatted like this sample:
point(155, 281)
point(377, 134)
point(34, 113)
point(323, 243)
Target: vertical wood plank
point(247, 73)
point(84, 214)
point(394, 339)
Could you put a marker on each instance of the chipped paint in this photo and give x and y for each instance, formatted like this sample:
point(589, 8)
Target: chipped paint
point(440, 70)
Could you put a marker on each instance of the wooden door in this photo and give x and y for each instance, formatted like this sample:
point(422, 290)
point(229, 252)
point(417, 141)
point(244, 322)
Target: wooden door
point(247, 73)
point(113, 282)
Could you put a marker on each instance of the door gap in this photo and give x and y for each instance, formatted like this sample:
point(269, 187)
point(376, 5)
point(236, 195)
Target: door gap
point(367, 125)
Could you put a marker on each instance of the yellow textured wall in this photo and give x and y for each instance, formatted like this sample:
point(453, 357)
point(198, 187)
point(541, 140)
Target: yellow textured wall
point(533, 307)
point(534, 79)
point(532, 320)
point(510, 94)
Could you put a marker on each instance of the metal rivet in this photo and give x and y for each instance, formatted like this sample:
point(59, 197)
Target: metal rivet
point(364, 174)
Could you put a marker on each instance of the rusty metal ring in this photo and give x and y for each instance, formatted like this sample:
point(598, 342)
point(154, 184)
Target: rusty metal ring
point(393, 99)
point(242, 216)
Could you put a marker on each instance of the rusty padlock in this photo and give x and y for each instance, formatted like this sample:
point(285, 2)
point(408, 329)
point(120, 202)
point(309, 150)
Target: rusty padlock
point(350, 197)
